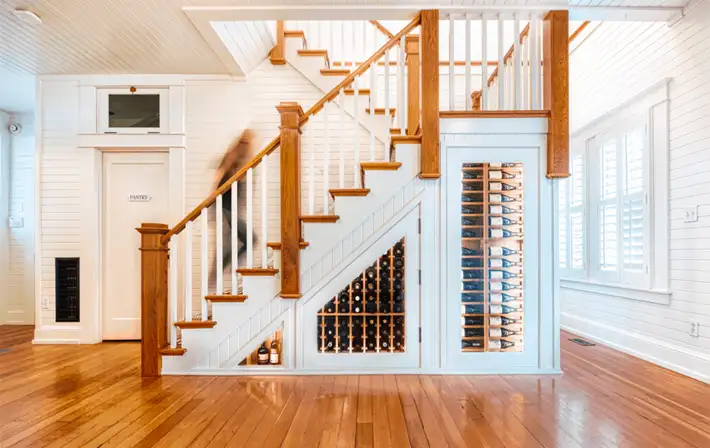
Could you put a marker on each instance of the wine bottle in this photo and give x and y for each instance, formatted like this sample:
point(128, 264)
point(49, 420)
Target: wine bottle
point(501, 165)
point(500, 263)
point(399, 263)
point(343, 331)
point(505, 332)
point(344, 345)
point(472, 297)
point(472, 209)
point(477, 233)
point(473, 175)
point(357, 345)
point(274, 357)
point(371, 345)
point(472, 197)
point(472, 165)
point(398, 345)
point(398, 250)
point(356, 305)
point(262, 355)
point(371, 285)
point(371, 273)
point(472, 187)
point(384, 278)
point(384, 263)
point(503, 320)
point(357, 285)
point(473, 286)
point(398, 296)
point(398, 285)
point(501, 286)
point(471, 221)
point(501, 210)
point(469, 320)
point(399, 274)
point(471, 332)
point(471, 344)
point(371, 307)
point(500, 297)
point(502, 309)
point(501, 233)
point(500, 186)
point(496, 174)
point(467, 251)
point(384, 307)
point(500, 221)
point(472, 262)
point(398, 308)
point(468, 275)
point(500, 275)
point(330, 307)
point(500, 251)
point(500, 344)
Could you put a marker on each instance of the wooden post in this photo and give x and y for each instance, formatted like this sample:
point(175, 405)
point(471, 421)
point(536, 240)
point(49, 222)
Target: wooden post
point(278, 53)
point(413, 83)
point(430, 95)
point(555, 35)
point(154, 297)
point(290, 199)
point(476, 100)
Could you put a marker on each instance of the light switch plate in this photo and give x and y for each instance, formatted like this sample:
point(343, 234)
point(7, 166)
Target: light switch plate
point(690, 214)
point(16, 222)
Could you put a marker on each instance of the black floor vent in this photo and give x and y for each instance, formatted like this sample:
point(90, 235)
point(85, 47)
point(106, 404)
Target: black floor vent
point(582, 342)
point(67, 289)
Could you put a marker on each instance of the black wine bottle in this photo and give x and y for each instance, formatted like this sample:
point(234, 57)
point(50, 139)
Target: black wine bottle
point(472, 187)
point(473, 175)
point(398, 308)
point(472, 209)
point(501, 275)
point(469, 251)
point(503, 320)
point(470, 320)
point(357, 285)
point(371, 307)
point(502, 233)
point(371, 285)
point(472, 263)
point(371, 273)
point(501, 297)
point(329, 307)
point(472, 233)
point(468, 197)
point(398, 285)
point(472, 332)
point(385, 307)
point(503, 309)
point(471, 344)
point(472, 297)
point(467, 275)
point(384, 263)
point(473, 286)
point(398, 250)
point(399, 263)
point(262, 355)
point(501, 263)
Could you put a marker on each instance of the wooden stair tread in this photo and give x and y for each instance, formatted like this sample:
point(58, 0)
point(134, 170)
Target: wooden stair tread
point(277, 245)
point(195, 324)
point(226, 298)
point(169, 351)
point(395, 131)
point(257, 271)
point(405, 139)
point(307, 52)
point(359, 91)
point(294, 33)
point(349, 191)
point(380, 111)
point(334, 71)
point(319, 218)
point(389, 166)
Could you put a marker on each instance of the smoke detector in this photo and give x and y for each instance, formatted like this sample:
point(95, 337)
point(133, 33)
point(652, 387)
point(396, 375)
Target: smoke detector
point(14, 128)
point(27, 16)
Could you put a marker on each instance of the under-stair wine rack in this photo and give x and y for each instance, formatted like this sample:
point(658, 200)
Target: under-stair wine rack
point(368, 315)
point(492, 257)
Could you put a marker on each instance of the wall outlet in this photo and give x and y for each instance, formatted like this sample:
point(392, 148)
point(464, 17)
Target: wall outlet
point(15, 222)
point(690, 214)
point(694, 329)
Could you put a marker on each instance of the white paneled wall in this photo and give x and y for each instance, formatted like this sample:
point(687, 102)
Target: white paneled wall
point(618, 61)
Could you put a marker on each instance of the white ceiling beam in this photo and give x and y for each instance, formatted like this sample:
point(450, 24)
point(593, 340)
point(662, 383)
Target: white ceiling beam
point(625, 14)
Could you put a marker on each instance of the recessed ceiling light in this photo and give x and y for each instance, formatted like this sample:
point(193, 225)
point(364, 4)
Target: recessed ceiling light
point(28, 16)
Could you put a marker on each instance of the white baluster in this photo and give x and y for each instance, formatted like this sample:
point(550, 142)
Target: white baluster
point(235, 236)
point(218, 247)
point(250, 218)
point(310, 144)
point(364, 54)
point(373, 68)
point(401, 82)
point(342, 139)
point(188, 271)
point(264, 211)
point(467, 76)
point(387, 83)
point(501, 65)
point(484, 63)
point(516, 63)
point(452, 59)
point(525, 72)
point(326, 158)
point(535, 61)
point(373, 104)
point(173, 290)
point(331, 48)
point(342, 42)
point(355, 44)
point(204, 261)
point(356, 128)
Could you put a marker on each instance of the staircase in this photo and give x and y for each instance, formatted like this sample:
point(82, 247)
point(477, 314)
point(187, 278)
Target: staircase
point(348, 167)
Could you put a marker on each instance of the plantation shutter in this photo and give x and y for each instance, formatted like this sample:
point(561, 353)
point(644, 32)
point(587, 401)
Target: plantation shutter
point(576, 213)
point(563, 204)
point(608, 207)
point(634, 220)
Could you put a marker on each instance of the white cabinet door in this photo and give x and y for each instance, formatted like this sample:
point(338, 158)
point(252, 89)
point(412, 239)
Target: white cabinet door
point(491, 218)
point(135, 190)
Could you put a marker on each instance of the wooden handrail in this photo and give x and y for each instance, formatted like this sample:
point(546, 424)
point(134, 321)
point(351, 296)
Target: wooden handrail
point(441, 63)
point(579, 30)
point(360, 70)
point(382, 29)
point(271, 147)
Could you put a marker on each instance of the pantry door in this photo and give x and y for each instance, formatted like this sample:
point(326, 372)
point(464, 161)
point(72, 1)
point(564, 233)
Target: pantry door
point(491, 259)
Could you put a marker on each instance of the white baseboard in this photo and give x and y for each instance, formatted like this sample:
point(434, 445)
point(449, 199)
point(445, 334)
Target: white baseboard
point(679, 359)
point(59, 334)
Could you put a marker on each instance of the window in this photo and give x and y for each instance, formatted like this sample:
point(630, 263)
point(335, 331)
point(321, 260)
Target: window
point(615, 203)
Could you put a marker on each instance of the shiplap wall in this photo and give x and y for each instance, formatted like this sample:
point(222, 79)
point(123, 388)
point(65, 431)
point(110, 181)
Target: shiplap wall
point(216, 112)
point(618, 61)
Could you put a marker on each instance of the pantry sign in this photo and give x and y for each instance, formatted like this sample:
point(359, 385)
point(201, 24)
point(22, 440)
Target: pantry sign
point(139, 197)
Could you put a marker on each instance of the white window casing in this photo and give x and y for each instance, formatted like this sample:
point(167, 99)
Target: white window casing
point(613, 210)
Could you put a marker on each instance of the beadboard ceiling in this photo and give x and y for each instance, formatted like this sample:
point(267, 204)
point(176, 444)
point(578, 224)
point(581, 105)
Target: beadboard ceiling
point(156, 36)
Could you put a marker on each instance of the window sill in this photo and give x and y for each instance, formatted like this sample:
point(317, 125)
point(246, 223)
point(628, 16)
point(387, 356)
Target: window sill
point(662, 297)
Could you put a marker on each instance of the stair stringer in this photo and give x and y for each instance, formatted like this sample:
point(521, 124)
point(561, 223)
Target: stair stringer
point(310, 68)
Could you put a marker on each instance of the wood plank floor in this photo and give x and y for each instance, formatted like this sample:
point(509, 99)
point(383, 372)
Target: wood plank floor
point(90, 396)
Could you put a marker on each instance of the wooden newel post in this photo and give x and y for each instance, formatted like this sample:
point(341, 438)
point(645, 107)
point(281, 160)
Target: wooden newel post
point(430, 165)
point(413, 83)
point(278, 53)
point(154, 297)
point(555, 36)
point(290, 199)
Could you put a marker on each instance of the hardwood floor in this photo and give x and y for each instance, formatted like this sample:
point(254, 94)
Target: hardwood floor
point(92, 396)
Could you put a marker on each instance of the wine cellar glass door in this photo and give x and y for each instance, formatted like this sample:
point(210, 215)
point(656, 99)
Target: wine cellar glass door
point(491, 259)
